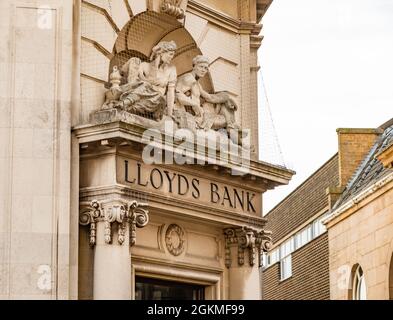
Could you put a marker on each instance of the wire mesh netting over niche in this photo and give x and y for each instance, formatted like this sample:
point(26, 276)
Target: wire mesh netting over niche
point(119, 34)
point(270, 149)
point(109, 40)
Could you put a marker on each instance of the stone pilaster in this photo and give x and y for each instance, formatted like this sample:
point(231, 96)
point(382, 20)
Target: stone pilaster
point(244, 276)
point(112, 233)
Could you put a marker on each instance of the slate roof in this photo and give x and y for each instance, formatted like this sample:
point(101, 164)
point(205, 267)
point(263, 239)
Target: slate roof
point(371, 169)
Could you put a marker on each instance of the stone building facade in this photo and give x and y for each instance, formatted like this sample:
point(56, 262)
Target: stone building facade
point(83, 215)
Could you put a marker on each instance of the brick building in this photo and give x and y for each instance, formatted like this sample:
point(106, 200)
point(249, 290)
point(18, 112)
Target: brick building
point(297, 266)
point(350, 196)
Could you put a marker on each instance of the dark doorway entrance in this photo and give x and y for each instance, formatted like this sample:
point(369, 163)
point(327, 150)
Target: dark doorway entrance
point(152, 289)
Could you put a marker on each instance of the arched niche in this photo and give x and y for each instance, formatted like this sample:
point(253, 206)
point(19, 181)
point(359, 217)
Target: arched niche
point(146, 30)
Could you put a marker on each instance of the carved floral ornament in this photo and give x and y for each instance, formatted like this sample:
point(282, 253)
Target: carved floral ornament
point(126, 214)
point(175, 240)
point(172, 7)
point(246, 239)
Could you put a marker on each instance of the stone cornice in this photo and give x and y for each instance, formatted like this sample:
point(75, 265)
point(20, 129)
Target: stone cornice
point(360, 130)
point(262, 7)
point(256, 41)
point(359, 201)
point(272, 174)
point(152, 264)
point(220, 19)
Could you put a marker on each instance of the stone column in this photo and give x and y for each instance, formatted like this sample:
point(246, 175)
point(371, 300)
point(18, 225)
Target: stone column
point(244, 276)
point(112, 233)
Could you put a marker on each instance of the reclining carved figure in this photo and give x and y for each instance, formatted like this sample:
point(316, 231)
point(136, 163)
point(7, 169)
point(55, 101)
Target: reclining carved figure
point(154, 88)
point(150, 85)
point(191, 97)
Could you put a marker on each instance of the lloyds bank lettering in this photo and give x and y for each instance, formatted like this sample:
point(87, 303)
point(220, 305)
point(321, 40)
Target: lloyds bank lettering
point(177, 184)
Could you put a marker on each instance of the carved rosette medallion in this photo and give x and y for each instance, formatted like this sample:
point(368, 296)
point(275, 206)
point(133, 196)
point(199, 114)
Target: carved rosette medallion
point(175, 240)
point(126, 214)
point(246, 239)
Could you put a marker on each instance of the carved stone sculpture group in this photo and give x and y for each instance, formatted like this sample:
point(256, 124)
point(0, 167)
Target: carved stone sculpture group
point(153, 89)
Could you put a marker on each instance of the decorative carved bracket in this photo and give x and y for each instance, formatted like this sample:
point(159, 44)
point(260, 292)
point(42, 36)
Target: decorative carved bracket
point(172, 7)
point(139, 219)
point(134, 214)
point(246, 239)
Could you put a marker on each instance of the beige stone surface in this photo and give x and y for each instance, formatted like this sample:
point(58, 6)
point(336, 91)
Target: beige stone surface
point(35, 91)
point(229, 7)
point(197, 27)
point(112, 269)
point(244, 281)
point(364, 238)
point(96, 27)
point(117, 10)
point(92, 94)
point(138, 6)
point(54, 61)
point(94, 65)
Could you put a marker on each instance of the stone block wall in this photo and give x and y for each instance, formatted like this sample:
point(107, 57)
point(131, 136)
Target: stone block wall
point(364, 238)
point(35, 148)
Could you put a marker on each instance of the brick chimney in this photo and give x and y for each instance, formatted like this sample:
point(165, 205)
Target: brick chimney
point(353, 146)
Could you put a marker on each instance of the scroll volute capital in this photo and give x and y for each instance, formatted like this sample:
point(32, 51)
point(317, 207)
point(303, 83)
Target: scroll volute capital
point(130, 215)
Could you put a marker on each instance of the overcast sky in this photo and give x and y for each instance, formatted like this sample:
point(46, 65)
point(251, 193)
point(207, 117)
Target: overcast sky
point(326, 64)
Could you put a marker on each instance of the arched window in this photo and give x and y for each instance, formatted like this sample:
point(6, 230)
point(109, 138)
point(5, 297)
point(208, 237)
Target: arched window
point(359, 289)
